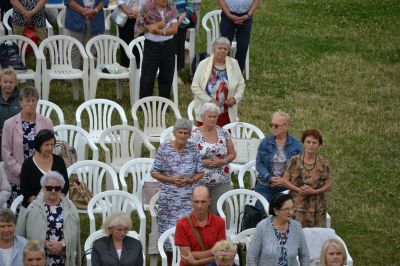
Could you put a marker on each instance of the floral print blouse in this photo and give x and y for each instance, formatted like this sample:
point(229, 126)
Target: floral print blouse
point(55, 232)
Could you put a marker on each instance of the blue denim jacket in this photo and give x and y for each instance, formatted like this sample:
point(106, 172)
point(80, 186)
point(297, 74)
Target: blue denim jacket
point(75, 21)
point(267, 149)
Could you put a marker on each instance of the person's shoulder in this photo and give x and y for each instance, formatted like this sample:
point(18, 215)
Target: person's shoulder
point(296, 225)
point(217, 219)
point(323, 160)
point(21, 241)
point(12, 120)
point(132, 241)
point(182, 221)
point(294, 139)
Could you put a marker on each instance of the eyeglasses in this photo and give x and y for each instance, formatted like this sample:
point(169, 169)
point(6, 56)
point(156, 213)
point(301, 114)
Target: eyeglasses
point(273, 125)
point(287, 209)
point(51, 188)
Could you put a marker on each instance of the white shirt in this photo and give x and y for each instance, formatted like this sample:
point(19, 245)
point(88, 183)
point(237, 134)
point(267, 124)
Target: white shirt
point(160, 38)
point(6, 255)
point(136, 4)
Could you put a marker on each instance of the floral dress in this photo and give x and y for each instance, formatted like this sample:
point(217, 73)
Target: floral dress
point(37, 21)
point(55, 232)
point(218, 150)
point(310, 211)
point(282, 239)
point(174, 202)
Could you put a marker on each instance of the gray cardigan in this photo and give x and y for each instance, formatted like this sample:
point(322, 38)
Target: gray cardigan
point(264, 247)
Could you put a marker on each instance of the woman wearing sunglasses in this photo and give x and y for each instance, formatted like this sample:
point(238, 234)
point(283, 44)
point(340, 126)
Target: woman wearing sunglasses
point(42, 162)
point(273, 154)
point(54, 221)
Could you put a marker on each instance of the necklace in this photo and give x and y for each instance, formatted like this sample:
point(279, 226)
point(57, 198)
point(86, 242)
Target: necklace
point(310, 169)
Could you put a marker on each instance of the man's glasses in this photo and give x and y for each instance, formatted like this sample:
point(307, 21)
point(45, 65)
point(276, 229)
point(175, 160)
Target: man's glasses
point(51, 188)
point(273, 125)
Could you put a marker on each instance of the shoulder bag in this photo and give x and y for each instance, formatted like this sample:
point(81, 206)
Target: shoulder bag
point(197, 234)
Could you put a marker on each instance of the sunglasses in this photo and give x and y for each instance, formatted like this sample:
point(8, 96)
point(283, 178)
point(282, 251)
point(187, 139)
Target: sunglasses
point(51, 188)
point(273, 125)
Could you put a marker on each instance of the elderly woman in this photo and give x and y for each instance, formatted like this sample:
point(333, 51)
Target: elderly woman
point(9, 100)
point(178, 167)
point(308, 177)
point(218, 79)
point(18, 137)
point(278, 239)
point(273, 154)
point(216, 150)
point(117, 248)
point(42, 162)
point(54, 221)
point(34, 254)
point(29, 12)
point(11, 245)
point(158, 20)
point(333, 253)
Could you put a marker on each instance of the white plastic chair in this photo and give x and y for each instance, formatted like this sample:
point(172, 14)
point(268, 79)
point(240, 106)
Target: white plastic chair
point(214, 18)
point(235, 200)
point(61, 22)
point(125, 144)
point(106, 48)
point(7, 20)
point(153, 236)
point(59, 53)
point(98, 234)
point(96, 175)
point(2, 29)
point(249, 168)
point(16, 203)
point(46, 108)
point(244, 237)
point(113, 201)
point(246, 138)
point(108, 24)
point(23, 43)
point(154, 111)
point(100, 113)
point(176, 256)
point(79, 139)
point(190, 43)
point(139, 44)
point(190, 112)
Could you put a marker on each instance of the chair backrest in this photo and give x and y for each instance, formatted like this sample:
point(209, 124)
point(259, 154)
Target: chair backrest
point(138, 43)
point(154, 113)
point(100, 113)
point(138, 170)
point(190, 111)
point(235, 200)
point(7, 21)
point(16, 203)
point(93, 174)
point(244, 237)
point(61, 22)
point(170, 236)
point(23, 43)
point(112, 201)
point(249, 168)
point(2, 29)
point(77, 138)
point(46, 108)
point(125, 143)
point(210, 23)
point(96, 235)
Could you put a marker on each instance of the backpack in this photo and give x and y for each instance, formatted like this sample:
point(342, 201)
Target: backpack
point(10, 57)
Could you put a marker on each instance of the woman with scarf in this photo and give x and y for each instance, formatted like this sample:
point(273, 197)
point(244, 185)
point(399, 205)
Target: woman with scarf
point(158, 20)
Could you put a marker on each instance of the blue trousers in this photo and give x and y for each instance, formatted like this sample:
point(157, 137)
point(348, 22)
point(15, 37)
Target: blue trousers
point(241, 33)
point(268, 192)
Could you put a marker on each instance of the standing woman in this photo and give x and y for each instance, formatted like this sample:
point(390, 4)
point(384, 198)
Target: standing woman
point(308, 177)
point(9, 98)
point(29, 12)
point(217, 151)
point(19, 135)
point(273, 154)
point(158, 20)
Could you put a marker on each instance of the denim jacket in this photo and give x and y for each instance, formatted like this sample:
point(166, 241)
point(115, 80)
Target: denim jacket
point(267, 149)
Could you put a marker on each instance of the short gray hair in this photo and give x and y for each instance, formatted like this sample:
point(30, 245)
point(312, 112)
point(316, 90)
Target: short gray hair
point(183, 124)
point(28, 92)
point(116, 219)
point(282, 114)
point(52, 175)
point(7, 216)
point(210, 107)
point(221, 41)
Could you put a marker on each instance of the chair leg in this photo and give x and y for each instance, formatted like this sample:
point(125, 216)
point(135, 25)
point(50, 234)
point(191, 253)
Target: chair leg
point(153, 259)
point(86, 92)
point(75, 88)
point(37, 86)
point(247, 65)
point(93, 87)
point(119, 89)
point(45, 88)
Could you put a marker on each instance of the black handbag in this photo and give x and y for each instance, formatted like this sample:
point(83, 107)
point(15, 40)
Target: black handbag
point(251, 217)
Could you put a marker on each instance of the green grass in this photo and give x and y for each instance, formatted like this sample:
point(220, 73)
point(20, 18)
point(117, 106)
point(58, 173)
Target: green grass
point(332, 65)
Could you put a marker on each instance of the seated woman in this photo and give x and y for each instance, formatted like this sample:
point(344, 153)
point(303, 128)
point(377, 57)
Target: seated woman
point(117, 248)
point(54, 221)
point(278, 239)
point(308, 177)
point(9, 98)
point(18, 137)
point(42, 162)
point(333, 253)
point(34, 254)
point(224, 252)
point(218, 79)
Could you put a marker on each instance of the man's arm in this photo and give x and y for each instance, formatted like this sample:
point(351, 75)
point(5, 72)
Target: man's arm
point(196, 257)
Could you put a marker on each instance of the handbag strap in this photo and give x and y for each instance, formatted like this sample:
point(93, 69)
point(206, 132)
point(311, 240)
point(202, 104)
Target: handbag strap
point(197, 234)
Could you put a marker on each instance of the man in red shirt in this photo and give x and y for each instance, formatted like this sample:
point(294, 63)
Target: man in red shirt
point(211, 229)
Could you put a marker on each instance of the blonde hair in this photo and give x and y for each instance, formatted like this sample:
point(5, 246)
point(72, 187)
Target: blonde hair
point(337, 244)
point(33, 245)
point(9, 72)
point(282, 114)
point(116, 219)
point(224, 249)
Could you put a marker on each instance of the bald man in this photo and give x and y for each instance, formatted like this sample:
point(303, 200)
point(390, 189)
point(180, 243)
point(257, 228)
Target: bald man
point(211, 229)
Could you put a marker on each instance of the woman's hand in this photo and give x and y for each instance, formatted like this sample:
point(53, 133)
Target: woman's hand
point(213, 163)
point(306, 190)
point(133, 13)
point(55, 248)
point(214, 101)
point(230, 102)
point(90, 13)
point(277, 181)
point(182, 17)
point(28, 15)
point(179, 181)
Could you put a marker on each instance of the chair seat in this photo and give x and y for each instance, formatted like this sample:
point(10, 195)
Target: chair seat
point(64, 72)
point(235, 167)
point(95, 135)
point(26, 75)
point(124, 74)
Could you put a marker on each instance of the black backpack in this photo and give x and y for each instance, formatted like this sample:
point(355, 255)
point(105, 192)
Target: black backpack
point(10, 57)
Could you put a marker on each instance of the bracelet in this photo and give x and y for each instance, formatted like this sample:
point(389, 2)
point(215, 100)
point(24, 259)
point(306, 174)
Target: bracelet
point(317, 192)
point(249, 15)
point(225, 161)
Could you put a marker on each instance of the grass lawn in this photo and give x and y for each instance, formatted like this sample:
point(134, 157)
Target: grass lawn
point(335, 66)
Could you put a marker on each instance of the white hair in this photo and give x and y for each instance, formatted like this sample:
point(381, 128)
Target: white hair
point(210, 107)
point(52, 175)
